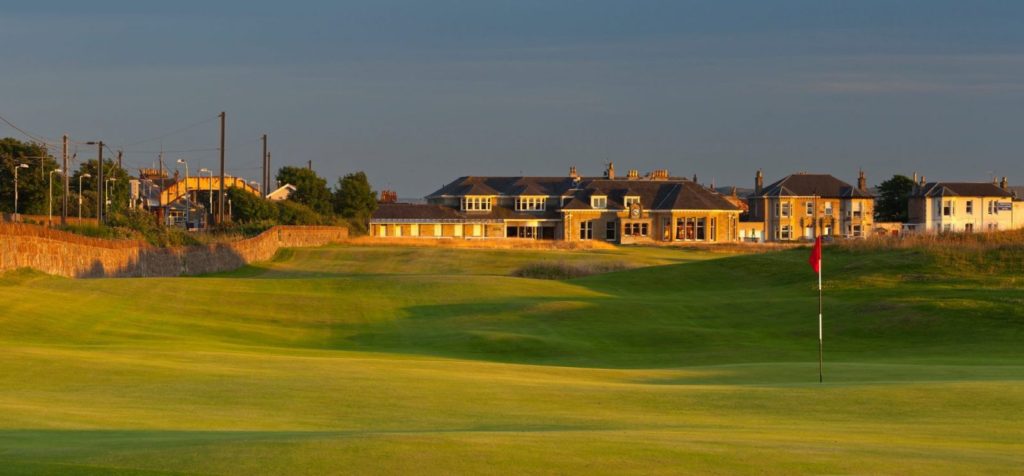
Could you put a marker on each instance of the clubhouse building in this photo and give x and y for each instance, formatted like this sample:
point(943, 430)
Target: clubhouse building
point(630, 209)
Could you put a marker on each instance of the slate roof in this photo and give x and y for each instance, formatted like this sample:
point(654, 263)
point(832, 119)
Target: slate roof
point(409, 211)
point(960, 189)
point(671, 194)
point(807, 185)
point(1018, 192)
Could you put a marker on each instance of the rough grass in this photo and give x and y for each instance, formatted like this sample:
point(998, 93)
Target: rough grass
point(566, 270)
point(964, 253)
point(406, 360)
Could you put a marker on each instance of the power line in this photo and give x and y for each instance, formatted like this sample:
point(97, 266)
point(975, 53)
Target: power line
point(182, 129)
point(34, 137)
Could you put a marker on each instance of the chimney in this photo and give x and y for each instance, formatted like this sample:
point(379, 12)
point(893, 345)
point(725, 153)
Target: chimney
point(733, 193)
point(758, 182)
point(572, 172)
point(995, 180)
point(923, 181)
point(1003, 184)
point(915, 177)
point(694, 178)
point(633, 174)
point(862, 181)
point(610, 173)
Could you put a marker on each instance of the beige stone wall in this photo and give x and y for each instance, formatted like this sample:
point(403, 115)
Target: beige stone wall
point(74, 256)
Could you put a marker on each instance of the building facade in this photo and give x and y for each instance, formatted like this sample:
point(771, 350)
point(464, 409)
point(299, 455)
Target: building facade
point(967, 207)
point(802, 206)
point(631, 209)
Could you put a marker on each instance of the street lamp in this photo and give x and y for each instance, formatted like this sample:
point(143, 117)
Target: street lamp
point(49, 216)
point(80, 177)
point(16, 167)
point(205, 170)
point(188, 200)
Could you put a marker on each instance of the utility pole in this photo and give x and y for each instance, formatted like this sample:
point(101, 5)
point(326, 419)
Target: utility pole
point(310, 166)
point(269, 174)
point(99, 184)
point(67, 185)
point(220, 199)
point(120, 153)
point(266, 168)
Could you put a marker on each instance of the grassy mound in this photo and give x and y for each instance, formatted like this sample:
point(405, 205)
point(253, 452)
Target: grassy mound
point(402, 360)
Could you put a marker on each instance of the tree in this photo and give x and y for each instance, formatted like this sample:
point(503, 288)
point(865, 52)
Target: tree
point(310, 189)
point(33, 183)
point(249, 208)
point(355, 200)
point(118, 193)
point(893, 198)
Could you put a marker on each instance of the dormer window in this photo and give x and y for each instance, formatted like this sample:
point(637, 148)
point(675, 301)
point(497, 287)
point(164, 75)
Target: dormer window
point(472, 203)
point(630, 200)
point(599, 202)
point(531, 203)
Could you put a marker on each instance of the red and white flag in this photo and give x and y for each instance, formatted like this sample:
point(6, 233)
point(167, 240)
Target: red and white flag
point(815, 259)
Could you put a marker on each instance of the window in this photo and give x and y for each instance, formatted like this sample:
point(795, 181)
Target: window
point(947, 228)
point(714, 229)
point(531, 204)
point(635, 229)
point(782, 209)
point(609, 231)
point(947, 208)
point(970, 207)
point(858, 210)
point(700, 230)
point(786, 233)
point(586, 230)
point(599, 201)
point(476, 204)
point(993, 226)
point(810, 208)
point(991, 207)
point(629, 201)
point(969, 227)
point(828, 208)
point(856, 230)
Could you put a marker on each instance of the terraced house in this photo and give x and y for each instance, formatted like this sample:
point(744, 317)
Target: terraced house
point(968, 207)
point(630, 209)
point(801, 206)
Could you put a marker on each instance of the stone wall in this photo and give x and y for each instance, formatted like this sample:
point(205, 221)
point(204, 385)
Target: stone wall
point(75, 256)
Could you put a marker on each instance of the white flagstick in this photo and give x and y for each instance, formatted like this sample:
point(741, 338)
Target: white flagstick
point(820, 336)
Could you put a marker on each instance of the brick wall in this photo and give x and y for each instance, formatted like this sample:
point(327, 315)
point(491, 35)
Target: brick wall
point(75, 256)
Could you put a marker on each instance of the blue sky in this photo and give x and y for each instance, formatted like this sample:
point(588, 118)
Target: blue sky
point(416, 93)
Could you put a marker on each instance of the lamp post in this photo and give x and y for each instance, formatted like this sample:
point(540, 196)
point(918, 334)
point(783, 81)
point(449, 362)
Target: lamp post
point(108, 185)
point(188, 200)
point(49, 215)
point(99, 180)
point(16, 167)
point(205, 170)
point(80, 177)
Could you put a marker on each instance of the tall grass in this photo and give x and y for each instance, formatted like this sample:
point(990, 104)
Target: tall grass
point(566, 270)
point(966, 252)
point(493, 244)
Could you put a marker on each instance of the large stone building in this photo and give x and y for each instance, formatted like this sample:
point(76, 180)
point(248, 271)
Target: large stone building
point(631, 209)
point(963, 207)
point(802, 206)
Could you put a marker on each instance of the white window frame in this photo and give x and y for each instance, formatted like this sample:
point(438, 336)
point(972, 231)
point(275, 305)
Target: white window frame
point(476, 203)
point(599, 202)
point(947, 208)
point(531, 203)
point(630, 200)
point(970, 207)
point(828, 209)
point(810, 208)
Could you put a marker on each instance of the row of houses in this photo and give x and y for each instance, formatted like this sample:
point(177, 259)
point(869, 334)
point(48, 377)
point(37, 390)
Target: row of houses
point(660, 207)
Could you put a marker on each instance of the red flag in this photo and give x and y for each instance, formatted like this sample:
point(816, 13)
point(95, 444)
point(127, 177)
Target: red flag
point(815, 259)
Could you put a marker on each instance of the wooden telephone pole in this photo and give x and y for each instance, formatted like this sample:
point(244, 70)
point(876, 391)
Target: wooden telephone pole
point(67, 185)
point(266, 169)
point(220, 199)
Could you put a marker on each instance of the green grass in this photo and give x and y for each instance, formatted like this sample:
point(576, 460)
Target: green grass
point(433, 360)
